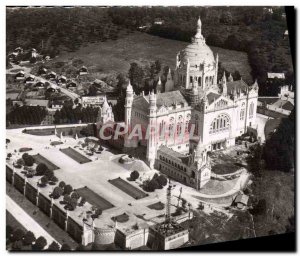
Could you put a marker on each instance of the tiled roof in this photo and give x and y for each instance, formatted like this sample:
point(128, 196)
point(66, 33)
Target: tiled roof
point(141, 103)
point(212, 96)
point(268, 100)
point(169, 98)
point(288, 106)
point(238, 84)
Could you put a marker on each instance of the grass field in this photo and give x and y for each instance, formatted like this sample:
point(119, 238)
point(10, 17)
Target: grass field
point(128, 188)
point(40, 159)
point(111, 57)
point(51, 131)
point(94, 199)
point(75, 155)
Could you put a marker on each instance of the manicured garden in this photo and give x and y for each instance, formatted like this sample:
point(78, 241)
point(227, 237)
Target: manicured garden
point(40, 159)
point(128, 188)
point(94, 199)
point(81, 159)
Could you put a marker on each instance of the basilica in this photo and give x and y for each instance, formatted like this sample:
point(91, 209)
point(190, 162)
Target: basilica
point(218, 110)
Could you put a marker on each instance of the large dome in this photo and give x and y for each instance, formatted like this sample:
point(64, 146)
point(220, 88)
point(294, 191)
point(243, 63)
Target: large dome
point(198, 51)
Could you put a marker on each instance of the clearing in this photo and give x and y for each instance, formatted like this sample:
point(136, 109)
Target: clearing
point(111, 57)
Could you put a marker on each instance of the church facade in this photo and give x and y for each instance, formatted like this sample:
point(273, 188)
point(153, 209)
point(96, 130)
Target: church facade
point(218, 111)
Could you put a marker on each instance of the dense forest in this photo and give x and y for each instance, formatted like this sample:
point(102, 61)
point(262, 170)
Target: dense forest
point(28, 115)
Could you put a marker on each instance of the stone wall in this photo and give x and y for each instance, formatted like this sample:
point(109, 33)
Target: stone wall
point(59, 217)
point(19, 183)
point(9, 174)
point(74, 230)
point(44, 204)
point(31, 193)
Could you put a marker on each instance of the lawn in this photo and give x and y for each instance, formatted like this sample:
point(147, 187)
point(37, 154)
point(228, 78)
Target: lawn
point(94, 199)
point(104, 58)
point(40, 159)
point(51, 131)
point(81, 159)
point(128, 188)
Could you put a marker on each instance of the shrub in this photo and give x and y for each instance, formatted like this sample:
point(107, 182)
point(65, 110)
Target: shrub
point(49, 174)
point(20, 161)
point(29, 238)
point(162, 180)
point(54, 179)
point(40, 244)
point(53, 247)
point(134, 175)
point(9, 155)
point(65, 247)
point(98, 212)
point(62, 184)
point(67, 199)
point(57, 192)
point(44, 180)
point(260, 208)
point(28, 159)
point(17, 235)
point(41, 169)
point(75, 195)
point(68, 189)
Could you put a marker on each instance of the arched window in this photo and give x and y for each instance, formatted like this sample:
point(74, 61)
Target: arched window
point(219, 124)
point(251, 110)
point(187, 128)
point(242, 114)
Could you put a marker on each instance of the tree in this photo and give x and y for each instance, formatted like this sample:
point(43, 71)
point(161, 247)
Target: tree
point(57, 192)
point(67, 199)
point(40, 244)
point(29, 238)
point(49, 174)
point(41, 169)
point(53, 246)
point(17, 235)
point(44, 180)
point(68, 189)
point(28, 159)
point(75, 195)
point(136, 76)
point(162, 180)
point(134, 175)
point(65, 247)
point(62, 184)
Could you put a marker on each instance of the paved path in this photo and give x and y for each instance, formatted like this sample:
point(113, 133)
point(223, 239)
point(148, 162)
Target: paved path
point(28, 222)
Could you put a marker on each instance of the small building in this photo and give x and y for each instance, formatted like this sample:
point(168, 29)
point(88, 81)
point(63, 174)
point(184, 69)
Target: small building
point(33, 53)
point(19, 50)
point(30, 79)
point(83, 70)
point(286, 34)
point(72, 84)
point(37, 102)
point(20, 75)
point(47, 58)
point(56, 104)
point(51, 75)
point(62, 80)
point(92, 101)
point(39, 84)
point(99, 83)
point(241, 201)
point(42, 71)
point(158, 21)
point(276, 75)
point(12, 56)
